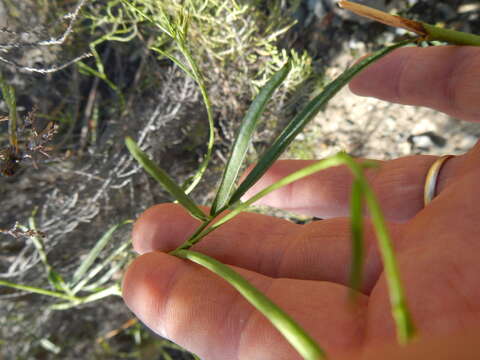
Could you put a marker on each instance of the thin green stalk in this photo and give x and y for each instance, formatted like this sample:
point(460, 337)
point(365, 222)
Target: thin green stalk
point(35, 290)
point(84, 284)
point(174, 60)
point(293, 333)
point(196, 236)
point(240, 207)
point(54, 278)
point(306, 171)
point(401, 314)
point(111, 290)
point(451, 36)
point(95, 252)
point(356, 226)
point(308, 113)
point(193, 182)
point(178, 32)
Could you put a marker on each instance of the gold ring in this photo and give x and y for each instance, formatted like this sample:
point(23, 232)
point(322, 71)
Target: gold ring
point(429, 191)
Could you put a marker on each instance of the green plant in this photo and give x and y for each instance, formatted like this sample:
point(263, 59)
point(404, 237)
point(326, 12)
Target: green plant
point(106, 27)
point(228, 199)
point(89, 283)
point(176, 27)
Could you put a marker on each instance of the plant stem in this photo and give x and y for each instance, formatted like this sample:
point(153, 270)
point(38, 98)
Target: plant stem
point(196, 236)
point(293, 333)
point(451, 36)
point(36, 290)
point(400, 312)
point(426, 31)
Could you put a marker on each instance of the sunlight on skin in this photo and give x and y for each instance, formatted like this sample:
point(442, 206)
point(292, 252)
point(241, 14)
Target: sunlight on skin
point(304, 268)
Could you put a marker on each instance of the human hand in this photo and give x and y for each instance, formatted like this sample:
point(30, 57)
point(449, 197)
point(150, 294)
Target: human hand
point(305, 268)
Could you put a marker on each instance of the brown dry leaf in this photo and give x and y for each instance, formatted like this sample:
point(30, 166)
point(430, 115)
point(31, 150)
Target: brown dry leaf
point(383, 17)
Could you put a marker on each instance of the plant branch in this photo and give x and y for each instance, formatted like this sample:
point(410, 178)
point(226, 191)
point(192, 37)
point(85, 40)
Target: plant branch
point(426, 31)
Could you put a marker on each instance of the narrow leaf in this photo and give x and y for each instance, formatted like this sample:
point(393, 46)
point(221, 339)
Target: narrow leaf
point(293, 333)
point(35, 290)
point(174, 60)
point(83, 283)
point(164, 179)
point(302, 119)
point(244, 138)
point(119, 256)
point(403, 320)
point(57, 282)
point(356, 227)
point(203, 230)
point(93, 254)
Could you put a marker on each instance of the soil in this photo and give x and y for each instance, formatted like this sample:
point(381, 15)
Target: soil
point(91, 183)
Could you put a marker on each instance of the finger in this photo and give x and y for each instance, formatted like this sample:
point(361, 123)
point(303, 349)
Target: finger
point(439, 266)
point(201, 312)
point(398, 185)
point(274, 247)
point(446, 78)
point(462, 345)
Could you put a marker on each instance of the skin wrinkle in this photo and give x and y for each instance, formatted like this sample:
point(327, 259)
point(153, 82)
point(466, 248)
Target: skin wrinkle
point(270, 267)
point(451, 81)
point(462, 70)
point(403, 88)
point(171, 285)
point(470, 308)
point(396, 175)
point(310, 233)
point(251, 316)
point(237, 340)
point(282, 257)
point(362, 319)
point(210, 304)
point(397, 89)
point(452, 280)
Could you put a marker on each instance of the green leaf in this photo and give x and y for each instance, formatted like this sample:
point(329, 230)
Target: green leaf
point(35, 290)
point(403, 320)
point(293, 333)
point(205, 229)
point(164, 179)
point(244, 138)
point(93, 254)
point(115, 256)
point(174, 60)
point(56, 280)
point(356, 226)
point(298, 122)
point(335, 160)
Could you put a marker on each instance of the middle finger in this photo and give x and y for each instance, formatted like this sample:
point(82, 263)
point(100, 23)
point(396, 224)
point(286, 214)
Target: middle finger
point(274, 247)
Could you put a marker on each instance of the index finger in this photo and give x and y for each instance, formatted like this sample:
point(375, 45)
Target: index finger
point(445, 78)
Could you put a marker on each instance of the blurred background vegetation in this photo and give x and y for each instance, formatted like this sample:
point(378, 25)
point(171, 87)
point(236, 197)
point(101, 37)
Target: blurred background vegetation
point(97, 71)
